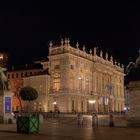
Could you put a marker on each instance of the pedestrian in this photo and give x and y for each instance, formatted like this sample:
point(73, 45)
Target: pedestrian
point(80, 119)
point(58, 111)
point(94, 120)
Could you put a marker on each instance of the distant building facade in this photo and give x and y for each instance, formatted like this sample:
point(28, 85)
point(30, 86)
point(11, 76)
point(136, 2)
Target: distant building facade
point(83, 82)
point(15, 83)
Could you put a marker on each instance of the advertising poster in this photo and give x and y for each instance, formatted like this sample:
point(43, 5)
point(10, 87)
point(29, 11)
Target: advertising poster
point(7, 104)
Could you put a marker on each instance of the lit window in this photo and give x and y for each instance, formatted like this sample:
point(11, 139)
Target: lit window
point(56, 81)
point(87, 86)
point(71, 83)
point(80, 83)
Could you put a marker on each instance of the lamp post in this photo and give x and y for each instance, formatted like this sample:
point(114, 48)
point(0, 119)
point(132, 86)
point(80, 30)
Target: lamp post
point(55, 105)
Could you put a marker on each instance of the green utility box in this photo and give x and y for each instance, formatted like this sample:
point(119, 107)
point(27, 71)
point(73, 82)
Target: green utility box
point(28, 124)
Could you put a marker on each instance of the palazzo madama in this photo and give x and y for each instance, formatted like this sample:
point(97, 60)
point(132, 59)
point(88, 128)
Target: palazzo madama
point(82, 81)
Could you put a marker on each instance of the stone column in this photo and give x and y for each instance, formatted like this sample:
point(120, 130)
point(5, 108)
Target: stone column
point(94, 82)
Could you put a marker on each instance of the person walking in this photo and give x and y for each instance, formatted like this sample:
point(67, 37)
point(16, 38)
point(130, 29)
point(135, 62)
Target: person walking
point(80, 119)
point(94, 120)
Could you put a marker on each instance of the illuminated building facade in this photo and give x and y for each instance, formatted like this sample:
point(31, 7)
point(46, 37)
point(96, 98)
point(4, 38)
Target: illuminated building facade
point(83, 82)
point(77, 81)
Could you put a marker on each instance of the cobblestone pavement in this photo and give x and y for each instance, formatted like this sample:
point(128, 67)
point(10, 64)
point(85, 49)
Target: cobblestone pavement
point(52, 131)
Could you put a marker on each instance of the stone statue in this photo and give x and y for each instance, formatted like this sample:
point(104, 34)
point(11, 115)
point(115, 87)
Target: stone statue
point(3, 79)
point(133, 71)
point(138, 60)
point(129, 67)
point(132, 65)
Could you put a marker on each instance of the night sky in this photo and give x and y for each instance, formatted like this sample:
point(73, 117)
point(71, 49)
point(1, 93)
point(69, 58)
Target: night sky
point(27, 27)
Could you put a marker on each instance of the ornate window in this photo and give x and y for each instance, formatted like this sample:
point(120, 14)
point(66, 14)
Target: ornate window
point(56, 81)
point(72, 106)
point(71, 67)
point(87, 85)
point(57, 66)
point(72, 82)
point(82, 105)
point(79, 83)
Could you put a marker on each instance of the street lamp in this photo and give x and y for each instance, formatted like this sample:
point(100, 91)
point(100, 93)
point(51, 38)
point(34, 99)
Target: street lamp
point(54, 103)
point(55, 106)
point(79, 78)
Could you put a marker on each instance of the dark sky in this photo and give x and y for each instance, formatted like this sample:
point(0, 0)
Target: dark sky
point(27, 27)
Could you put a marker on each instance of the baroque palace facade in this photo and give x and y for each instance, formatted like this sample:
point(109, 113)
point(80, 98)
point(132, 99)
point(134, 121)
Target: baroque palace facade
point(76, 81)
point(83, 82)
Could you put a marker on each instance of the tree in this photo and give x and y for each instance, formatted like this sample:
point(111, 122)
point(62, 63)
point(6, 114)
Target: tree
point(28, 94)
point(28, 123)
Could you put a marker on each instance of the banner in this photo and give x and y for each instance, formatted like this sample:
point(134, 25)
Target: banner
point(7, 104)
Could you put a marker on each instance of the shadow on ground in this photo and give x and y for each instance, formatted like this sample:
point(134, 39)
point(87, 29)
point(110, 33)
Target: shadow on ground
point(7, 131)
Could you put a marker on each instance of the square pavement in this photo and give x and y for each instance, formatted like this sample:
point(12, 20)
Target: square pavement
point(58, 131)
